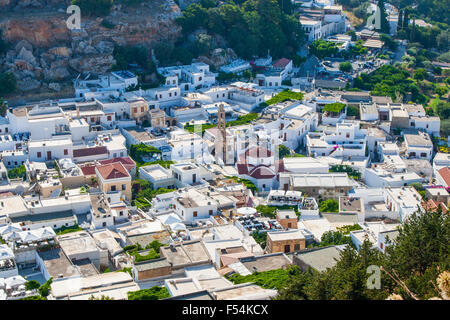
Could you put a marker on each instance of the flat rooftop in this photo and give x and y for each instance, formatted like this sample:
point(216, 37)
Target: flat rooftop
point(57, 263)
point(319, 259)
point(351, 204)
point(266, 262)
point(187, 253)
point(286, 235)
point(77, 243)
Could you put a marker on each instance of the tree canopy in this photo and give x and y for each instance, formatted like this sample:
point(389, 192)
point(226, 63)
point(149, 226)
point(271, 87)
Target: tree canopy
point(251, 28)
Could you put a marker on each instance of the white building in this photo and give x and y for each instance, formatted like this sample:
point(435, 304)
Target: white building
point(237, 67)
point(418, 145)
point(347, 141)
point(115, 81)
point(404, 200)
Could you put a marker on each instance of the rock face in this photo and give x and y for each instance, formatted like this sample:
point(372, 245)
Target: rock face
point(46, 51)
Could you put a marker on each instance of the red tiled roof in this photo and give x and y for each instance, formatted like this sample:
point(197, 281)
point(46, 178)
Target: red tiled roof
point(262, 172)
point(259, 152)
point(281, 63)
point(242, 168)
point(433, 205)
point(85, 152)
point(127, 162)
point(114, 170)
point(88, 170)
point(6, 194)
point(445, 174)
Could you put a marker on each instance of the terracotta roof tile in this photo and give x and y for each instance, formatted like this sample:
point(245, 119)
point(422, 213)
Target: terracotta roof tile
point(114, 170)
point(281, 63)
point(85, 152)
point(127, 162)
point(445, 174)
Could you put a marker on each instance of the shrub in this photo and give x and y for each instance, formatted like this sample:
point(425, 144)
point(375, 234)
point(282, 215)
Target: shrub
point(8, 83)
point(154, 293)
point(345, 66)
point(284, 96)
point(33, 298)
point(272, 279)
point(65, 230)
point(32, 284)
point(45, 288)
point(330, 205)
point(19, 172)
point(334, 107)
point(94, 7)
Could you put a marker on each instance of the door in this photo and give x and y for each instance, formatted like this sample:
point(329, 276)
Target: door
point(287, 248)
point(49, 155)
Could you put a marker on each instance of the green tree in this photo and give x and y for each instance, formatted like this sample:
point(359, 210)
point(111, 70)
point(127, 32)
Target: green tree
point(384, 27)
point(330, 205)
point(32, 285)
point(3, 107)
point(345, 66)
point(321, 48)
point(441, 91)
point(3, 44)
point(420, 74)
point(8, 83)
point(94, 7)
point(283, 151)
point(44, 290)
point(420, 252)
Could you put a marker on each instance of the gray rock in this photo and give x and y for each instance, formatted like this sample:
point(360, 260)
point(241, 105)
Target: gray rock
point(56, 74)
point(21, 44)
point(105, 47)
point(26, 55)
point(94, 64)
point(60, 51)
point(54, 86)
point(28, 84)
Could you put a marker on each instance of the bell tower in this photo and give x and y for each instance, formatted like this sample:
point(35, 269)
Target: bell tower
point(221, 140)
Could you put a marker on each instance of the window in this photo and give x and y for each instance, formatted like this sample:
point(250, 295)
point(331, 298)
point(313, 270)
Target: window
point(287, 248)
point(66, 152)
point(135, 110)
point(108, 118)
point(423, 155)
point(121, 213)
point(104, 224)
point(142, 109)
point(39, 155)
point(195, 213)
point(113, 188)
point(170, 94)
point(124, 187)
point(296, 247)
point(92, 119)
point(210, 212)
point(175, 93)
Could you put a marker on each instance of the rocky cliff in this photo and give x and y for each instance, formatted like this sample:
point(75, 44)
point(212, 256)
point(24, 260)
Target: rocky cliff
point(45, 52)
